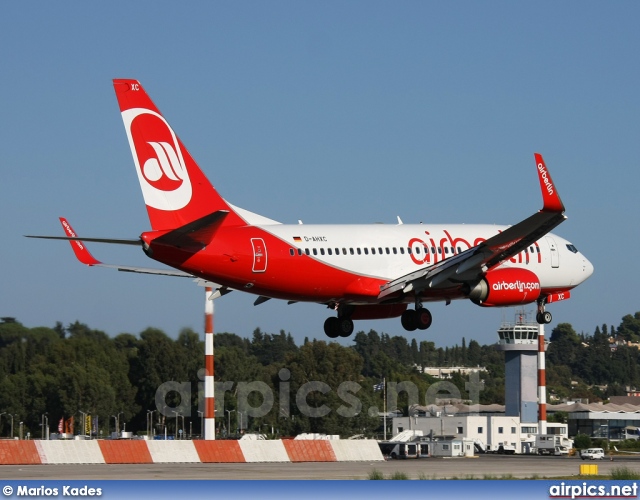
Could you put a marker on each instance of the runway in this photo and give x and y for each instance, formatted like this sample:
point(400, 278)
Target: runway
point(482, 467)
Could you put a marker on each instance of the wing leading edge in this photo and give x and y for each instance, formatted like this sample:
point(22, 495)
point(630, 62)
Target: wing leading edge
point(476, 261)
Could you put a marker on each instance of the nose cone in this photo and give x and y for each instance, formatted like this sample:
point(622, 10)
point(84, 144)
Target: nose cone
point(587, 268)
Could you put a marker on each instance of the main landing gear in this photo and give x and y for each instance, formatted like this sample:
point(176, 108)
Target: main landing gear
point(543, 317)
point(416, 319)
point(338, 327)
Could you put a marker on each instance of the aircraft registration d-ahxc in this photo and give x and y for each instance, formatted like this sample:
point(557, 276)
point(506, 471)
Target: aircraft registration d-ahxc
point(368, 271)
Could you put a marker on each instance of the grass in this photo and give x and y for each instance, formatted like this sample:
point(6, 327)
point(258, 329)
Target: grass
point(375, 474)
point(401, 476)
point(621, 473)
point(618, 473)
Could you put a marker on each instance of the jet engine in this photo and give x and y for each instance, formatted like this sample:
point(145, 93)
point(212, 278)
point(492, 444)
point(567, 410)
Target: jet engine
point(505, 287)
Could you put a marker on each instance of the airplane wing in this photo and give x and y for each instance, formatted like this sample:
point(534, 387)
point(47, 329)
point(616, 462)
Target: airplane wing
point(628, 452)
point(476, 261)
point(84, 256)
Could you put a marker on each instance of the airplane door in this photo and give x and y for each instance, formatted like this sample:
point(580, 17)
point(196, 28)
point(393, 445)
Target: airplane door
point(259, 255)
point(555, 256)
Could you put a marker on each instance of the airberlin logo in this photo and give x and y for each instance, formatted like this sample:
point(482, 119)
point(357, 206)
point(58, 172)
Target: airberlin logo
point(545, 178)
point(164, 169)
point(520, 286)
point(72, 234)
point(158, 158)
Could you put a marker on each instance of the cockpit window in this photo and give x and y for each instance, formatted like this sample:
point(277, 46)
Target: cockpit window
point(572, 248)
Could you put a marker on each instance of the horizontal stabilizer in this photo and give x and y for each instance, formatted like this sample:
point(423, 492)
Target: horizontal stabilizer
point(194, 235)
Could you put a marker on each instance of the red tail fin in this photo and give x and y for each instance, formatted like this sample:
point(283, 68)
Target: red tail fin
point(175, 190)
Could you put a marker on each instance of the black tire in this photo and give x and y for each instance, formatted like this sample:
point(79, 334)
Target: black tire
point(423, 318)
point(546, 317)
point(409, 320)
point(345, 327)
point(332, 327)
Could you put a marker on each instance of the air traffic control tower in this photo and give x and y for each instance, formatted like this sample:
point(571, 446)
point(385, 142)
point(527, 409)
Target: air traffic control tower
point(519, 341)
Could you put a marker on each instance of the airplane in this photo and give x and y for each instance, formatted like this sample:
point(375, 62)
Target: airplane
point(627, 452)
point(371, 271)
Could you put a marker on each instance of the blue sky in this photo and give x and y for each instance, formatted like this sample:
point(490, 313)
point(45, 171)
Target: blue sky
point(329, 112)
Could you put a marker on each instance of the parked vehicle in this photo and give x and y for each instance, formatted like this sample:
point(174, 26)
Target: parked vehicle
point(592, 454)
point(561, 450)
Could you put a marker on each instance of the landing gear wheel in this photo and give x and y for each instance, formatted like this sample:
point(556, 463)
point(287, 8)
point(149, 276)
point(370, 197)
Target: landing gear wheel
point(345, 327)
point(544, 318)
point(423, 318)
point(338, 327)
point(409, 320)
point(332, 327)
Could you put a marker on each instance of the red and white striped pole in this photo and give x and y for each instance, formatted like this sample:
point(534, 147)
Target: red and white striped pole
point(209, 400)
point(542, 384)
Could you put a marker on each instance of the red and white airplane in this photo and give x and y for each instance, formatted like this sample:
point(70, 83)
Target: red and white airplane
point(359, 271)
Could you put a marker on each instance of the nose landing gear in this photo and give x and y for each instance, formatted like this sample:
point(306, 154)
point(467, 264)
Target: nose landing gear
point(543, 317)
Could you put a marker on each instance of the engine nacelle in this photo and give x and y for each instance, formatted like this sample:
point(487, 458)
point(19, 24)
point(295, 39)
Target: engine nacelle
point(506, 287)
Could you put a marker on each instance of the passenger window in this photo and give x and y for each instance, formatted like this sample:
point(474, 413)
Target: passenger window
point(315, 251)
point(366, 251)
point(337, 251)
point(439, 250)
point(291, 252)
point(380, 250)
point(402, 250)
point(351, 251)
point(359, 251)
point(329, 251)
point(395, 251)
point(344, 251)
point(433, 249)
point(322, 251)
point(306, 250)
point(387, 250)
point(417, 250)
point(299, 251)
point(409, 250)
point(446, 250)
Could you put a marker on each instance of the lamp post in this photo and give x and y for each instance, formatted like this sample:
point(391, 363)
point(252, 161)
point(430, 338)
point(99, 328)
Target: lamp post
point(115, 423)
point(42, 427)
point(240, 428)
point(84, 422)
point(3, 413)
point(150, 422)
point(229, 420)
point(11, 423)
point(201, 413)
point(177, 413)
point(118, 422)
point(46, 423)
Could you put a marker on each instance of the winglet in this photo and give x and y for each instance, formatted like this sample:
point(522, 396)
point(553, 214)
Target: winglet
point(78, 246)
point(550, 198)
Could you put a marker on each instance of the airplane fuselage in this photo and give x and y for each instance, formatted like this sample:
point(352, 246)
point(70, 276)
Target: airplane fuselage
point(324, 263)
